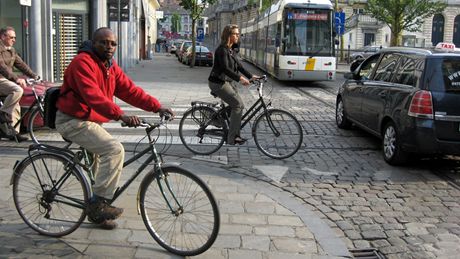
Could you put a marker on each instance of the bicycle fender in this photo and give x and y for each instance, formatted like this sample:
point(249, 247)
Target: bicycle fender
point(150, 174)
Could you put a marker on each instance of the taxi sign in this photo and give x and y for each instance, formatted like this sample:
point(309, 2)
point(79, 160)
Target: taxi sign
point(446, 46)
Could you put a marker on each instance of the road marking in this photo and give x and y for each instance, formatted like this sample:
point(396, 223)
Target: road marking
point(317, 172)
point(273, 172)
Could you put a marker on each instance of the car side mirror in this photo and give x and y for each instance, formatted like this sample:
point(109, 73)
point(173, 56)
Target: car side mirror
point(351, 75)
point(348, 75)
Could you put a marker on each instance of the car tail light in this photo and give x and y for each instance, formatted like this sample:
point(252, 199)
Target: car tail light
point(421, 105)
point(209, 55)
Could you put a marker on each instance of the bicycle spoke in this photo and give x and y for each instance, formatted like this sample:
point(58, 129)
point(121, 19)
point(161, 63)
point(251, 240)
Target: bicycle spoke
point(55, 208)
point(199, 132)
point(192, 226)
point(278, 134)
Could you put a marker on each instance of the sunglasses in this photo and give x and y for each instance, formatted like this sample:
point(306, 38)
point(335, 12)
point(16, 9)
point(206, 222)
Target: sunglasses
point(107, 42)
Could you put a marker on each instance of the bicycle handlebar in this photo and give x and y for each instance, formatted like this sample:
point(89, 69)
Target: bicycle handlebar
point(164, 118)
point(31, 81)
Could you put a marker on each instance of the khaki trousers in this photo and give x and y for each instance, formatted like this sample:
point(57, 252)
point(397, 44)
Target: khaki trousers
point(109, 152)
point(11, 104)
point(229, 94)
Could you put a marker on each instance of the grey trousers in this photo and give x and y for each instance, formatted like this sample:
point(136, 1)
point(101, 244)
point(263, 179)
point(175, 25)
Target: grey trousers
point(11, 103)
point(109, 152)
point(229, 94)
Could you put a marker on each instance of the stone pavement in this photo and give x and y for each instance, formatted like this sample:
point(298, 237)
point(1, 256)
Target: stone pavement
point(258, 219)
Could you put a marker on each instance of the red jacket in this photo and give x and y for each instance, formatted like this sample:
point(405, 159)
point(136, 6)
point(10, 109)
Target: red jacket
point(89, 87)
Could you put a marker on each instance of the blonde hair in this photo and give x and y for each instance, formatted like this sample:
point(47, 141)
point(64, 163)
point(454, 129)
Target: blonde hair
point(226, 33)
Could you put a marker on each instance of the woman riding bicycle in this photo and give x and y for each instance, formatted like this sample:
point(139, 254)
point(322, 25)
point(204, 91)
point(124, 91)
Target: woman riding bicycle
point(225, 70)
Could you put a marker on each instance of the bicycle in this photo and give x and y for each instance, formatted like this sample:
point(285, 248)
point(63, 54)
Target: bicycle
point(34, 115)
point(277, 133)
point(51, 190)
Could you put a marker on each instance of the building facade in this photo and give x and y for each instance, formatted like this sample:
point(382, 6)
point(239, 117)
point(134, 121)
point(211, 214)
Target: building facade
point(361, 29)
point(184, 24)
point(50, 32)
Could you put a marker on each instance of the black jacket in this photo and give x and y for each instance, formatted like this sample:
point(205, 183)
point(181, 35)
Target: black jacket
point(226, 67)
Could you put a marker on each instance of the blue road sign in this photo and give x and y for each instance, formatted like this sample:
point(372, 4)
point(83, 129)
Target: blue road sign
point(340, 23)
point(200, 34)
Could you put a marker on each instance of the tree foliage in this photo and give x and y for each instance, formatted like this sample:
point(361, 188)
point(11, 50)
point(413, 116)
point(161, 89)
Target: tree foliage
point(402, 15)
point(175, 23)
point(196, 8)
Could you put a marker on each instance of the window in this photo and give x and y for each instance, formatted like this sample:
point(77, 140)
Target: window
point(456, 36)
point(367, 67)
point(451, 73)
point(386, 67)
point(308, 32)
point(406, 72)
point(437, 31)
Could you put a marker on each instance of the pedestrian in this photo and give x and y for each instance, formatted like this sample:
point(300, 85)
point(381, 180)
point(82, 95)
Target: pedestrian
point(11, 85)
point(91, 81)
point(225, 70)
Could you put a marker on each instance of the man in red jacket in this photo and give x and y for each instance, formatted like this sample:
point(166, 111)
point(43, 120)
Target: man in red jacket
point(86, 101)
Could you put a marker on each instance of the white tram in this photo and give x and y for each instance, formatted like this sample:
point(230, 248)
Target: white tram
point(292, 40)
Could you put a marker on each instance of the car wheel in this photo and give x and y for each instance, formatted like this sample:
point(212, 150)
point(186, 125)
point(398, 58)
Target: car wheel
point(340, 115)
point(392, 150)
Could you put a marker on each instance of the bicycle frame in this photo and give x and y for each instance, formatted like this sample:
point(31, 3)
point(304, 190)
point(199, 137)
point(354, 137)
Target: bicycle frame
point(75, 159)
point(253, 110)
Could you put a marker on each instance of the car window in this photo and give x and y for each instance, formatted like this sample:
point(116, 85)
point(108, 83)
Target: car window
point(406, 72)
point(451, 73)
point(385, 69)
point(367, 66)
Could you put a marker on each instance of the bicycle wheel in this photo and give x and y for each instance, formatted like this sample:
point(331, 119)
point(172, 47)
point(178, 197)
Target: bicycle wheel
point(37, 130)
point(192, 223)
point(51, 198)
point(277, 133)
point(199, 133)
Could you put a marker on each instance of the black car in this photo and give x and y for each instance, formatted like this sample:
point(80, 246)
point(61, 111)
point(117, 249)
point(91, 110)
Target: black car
point(408, 97)
point(203, 56)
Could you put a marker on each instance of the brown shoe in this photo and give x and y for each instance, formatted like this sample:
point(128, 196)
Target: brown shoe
point(108, 224)
point(100, 211)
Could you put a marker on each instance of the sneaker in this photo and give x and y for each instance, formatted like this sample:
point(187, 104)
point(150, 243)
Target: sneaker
point(99, 211)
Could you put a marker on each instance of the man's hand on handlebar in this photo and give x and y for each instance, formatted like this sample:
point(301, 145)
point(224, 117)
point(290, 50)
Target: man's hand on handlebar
point(131, 121)
point(21, 82)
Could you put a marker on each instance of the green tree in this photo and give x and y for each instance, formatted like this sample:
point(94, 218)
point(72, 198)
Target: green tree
point(175, 23)
point(196, 8)
point(402, 15)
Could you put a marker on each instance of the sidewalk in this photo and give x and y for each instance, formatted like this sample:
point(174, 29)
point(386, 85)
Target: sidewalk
point(258, 219)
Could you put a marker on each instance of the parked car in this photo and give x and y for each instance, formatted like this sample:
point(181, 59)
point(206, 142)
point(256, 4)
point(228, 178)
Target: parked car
point(410, 98)
point(183, 47)
point(178, 43)
point(173, 48)
point(203, 56)
point(365, 52)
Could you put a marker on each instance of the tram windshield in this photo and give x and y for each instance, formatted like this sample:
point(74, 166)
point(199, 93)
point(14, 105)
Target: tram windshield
point(307, 32)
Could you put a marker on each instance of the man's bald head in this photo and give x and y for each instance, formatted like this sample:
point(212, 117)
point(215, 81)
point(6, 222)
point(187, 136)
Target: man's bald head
point(104, 43)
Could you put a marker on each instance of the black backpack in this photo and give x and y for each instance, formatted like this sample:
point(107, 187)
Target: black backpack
point(51, 96)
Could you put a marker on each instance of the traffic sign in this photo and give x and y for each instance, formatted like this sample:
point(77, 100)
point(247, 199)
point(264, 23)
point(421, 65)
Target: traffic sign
point(340, 23)
point(200, 34)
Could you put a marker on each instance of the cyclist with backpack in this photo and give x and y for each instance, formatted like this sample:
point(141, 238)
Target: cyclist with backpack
point(86, 102)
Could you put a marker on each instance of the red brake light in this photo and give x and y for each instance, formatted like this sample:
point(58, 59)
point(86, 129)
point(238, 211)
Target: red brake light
point(421, 105)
